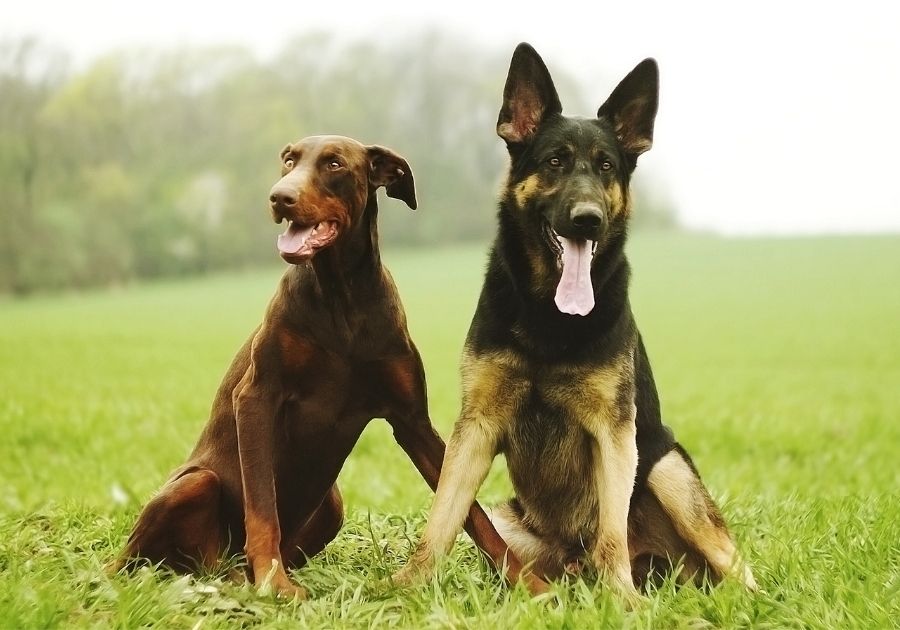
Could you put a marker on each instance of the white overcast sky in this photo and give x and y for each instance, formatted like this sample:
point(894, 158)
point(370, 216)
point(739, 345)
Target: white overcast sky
point(775, 117)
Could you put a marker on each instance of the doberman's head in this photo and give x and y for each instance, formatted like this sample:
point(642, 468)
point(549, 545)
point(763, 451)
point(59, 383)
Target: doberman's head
point(326, 185)
point(568, 183)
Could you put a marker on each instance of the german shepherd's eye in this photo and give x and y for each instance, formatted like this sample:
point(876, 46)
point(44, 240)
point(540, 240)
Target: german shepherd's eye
point(555, 162)
point(606, 165)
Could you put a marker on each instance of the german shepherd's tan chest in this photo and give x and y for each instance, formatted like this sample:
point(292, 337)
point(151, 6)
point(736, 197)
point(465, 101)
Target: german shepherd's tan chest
point(546, 416)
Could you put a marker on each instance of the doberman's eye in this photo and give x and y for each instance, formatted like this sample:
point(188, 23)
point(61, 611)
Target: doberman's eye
point(335, 165)
point(555, 162)
point(289, 162)
point(606, 165)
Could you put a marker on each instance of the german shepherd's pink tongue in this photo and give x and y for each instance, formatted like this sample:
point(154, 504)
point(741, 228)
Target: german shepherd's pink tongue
point(294, 238)
point(574, 293)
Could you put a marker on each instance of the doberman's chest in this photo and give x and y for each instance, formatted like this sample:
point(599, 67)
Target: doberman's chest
point(334, 387)
point(324, 384)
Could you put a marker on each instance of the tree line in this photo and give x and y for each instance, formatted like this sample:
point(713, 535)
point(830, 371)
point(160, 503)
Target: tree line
point(150, 163)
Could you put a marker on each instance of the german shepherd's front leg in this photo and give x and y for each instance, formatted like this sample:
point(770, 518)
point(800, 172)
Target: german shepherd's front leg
point(492, 392)
point(467, 460)
point(615, 468)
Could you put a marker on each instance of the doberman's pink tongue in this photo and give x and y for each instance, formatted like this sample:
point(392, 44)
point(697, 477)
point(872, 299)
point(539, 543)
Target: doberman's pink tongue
point(574, 293)
point(294, 238)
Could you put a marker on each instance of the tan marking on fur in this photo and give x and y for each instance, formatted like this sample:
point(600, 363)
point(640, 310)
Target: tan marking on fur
point(596, 396)
point(544, 276)
point(615, 457)
point(296, 351)
point(491, 384)
point(592, 388)
point(540, 554)
point(263, 538)
point(491, 392)
point(695, 517)
point(618, 200)
point(650, 533)
point(601, 386)
point(526, 189)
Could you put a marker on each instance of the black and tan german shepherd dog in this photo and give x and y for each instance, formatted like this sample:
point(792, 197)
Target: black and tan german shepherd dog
point(555, 375)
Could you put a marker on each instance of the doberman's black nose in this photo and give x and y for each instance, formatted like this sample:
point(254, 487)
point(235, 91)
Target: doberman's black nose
point(587, 216)
point(283, 196)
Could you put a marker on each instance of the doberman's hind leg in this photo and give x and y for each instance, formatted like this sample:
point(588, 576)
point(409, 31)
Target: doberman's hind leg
point(317, 531)
point(181, 526)
point(687, 523)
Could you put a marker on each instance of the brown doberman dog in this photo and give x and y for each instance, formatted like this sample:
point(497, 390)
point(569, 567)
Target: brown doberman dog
point(333, 352)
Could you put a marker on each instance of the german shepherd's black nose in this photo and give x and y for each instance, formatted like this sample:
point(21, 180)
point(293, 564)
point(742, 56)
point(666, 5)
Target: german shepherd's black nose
point(588, 216)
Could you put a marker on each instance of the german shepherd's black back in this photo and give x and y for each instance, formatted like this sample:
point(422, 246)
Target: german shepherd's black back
point(554, 372)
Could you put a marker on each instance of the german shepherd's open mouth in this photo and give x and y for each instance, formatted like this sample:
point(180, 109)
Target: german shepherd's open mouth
point(574, 292)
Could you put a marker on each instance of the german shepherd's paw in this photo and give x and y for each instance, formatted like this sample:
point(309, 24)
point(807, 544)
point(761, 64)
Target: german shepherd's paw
point(412, 574)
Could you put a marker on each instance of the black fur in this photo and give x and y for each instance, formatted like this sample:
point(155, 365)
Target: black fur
point(512, 312)
point(555, 374)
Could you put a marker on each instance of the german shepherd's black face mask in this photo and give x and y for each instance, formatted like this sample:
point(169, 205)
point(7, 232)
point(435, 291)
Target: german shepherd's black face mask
point(569, 176)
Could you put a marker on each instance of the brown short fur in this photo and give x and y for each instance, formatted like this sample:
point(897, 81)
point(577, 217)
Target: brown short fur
point(333, 352)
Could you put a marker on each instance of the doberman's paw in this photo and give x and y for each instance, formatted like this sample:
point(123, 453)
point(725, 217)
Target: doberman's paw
point(534, 584)
point(112, 567)
point(276, 582)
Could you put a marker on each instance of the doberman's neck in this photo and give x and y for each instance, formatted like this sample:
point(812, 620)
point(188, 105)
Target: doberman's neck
point(340, 276)
point(355, 253)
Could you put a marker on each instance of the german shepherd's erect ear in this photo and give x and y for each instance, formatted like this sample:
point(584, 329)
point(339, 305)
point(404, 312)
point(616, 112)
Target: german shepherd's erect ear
point(631, 108)
point(528, 98)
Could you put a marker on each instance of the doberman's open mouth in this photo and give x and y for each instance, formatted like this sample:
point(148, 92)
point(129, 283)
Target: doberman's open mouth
point(299, 243)
point(574, 293)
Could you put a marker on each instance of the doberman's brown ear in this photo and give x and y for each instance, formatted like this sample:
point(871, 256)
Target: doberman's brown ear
point(631, 108)
point(528, 98)
point(388, 169)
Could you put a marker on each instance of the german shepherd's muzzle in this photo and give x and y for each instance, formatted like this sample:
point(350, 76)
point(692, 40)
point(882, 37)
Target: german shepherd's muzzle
point(554, 371)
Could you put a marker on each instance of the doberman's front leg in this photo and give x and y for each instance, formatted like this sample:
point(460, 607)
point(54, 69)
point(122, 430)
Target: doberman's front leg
point(255, 405)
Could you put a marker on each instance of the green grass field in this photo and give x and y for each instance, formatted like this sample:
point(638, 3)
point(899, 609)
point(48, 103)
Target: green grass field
point(778, 364)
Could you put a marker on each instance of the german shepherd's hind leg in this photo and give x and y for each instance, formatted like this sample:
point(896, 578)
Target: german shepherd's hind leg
point(675, 483)
point(180, 527)
point(541, 555)
point(656, 549)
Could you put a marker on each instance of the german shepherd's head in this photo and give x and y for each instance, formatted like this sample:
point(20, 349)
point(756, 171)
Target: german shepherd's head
point(567, 196)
